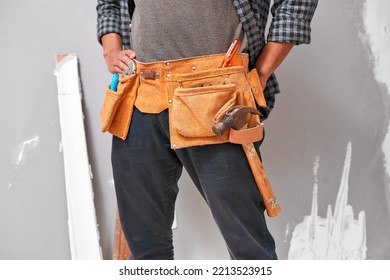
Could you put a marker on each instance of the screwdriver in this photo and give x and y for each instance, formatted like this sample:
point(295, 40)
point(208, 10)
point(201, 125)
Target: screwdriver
point(114, 82)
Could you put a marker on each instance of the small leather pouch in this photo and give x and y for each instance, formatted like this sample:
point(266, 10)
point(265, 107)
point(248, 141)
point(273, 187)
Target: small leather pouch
point(195, 110)
point(257, 90)
point(118, 106)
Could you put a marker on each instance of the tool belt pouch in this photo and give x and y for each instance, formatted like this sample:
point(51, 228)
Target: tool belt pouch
point(253, 133)
point(195, 110)
point(118, 106)
point(257, 90)
point(203, 99)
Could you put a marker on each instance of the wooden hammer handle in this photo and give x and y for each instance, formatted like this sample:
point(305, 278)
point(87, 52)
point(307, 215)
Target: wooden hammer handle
point(271, 205)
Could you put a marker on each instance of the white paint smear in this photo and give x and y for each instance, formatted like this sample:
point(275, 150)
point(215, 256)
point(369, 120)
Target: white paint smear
point(338, 236)
point(90, 172)
point(20, 153)
point(376, 19)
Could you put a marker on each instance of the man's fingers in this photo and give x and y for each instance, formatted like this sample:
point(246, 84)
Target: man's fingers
point(119, 61)
point(125, 58)
point(116, 70)
point(129, 53)
point(122, 65)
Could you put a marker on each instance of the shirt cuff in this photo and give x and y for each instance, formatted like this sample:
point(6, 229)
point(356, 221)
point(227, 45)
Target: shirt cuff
point(107, 25)
point(287, 29)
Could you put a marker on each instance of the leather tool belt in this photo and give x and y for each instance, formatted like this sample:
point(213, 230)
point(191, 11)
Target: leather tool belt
point(196, 91)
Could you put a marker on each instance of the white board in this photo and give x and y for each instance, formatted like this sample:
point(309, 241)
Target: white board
point(83, 229)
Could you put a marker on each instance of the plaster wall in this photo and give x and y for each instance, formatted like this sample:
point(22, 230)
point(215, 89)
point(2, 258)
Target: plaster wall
point(334, 92)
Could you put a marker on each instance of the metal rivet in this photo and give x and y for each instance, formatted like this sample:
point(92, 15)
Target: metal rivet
point(180, 84)
point(170, 101)
point(193, 68)
point(168, 75)
point(168, 64)
point(174, 146)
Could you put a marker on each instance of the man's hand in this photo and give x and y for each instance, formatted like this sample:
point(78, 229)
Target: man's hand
point(270, 58)
point(117, 59)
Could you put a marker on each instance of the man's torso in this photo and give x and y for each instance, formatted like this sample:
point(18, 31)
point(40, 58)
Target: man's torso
point(165, 30)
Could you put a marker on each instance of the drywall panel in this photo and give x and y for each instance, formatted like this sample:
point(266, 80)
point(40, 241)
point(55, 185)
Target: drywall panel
point(83, 231)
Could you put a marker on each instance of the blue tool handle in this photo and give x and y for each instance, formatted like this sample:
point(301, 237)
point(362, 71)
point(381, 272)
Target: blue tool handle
point(114, 82)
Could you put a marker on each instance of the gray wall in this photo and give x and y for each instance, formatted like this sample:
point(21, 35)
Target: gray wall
point(330, 97)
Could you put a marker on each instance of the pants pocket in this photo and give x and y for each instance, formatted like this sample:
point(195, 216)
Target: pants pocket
point(195, 110)
point(118, 106)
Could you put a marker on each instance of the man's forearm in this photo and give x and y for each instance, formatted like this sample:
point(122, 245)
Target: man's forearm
point(111, 42)
point(270, 58)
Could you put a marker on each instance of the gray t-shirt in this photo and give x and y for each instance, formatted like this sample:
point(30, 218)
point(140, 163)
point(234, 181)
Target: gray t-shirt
point(165, 30)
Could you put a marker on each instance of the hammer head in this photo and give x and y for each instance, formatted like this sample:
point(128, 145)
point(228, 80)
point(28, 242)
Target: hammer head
point(236, 118)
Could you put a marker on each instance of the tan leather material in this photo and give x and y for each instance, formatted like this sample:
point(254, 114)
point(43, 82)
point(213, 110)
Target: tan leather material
point(257, 89)
point(271, 204)
point(154, 96)
point(194, 109)
point(196, 91)
point(246, 135)
point(111, 104)
point(118, 106)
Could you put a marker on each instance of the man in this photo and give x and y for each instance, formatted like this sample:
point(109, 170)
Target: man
point(147, 163)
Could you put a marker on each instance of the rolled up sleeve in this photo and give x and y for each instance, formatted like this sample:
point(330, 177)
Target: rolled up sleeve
point(291, 21)
point(108, 18)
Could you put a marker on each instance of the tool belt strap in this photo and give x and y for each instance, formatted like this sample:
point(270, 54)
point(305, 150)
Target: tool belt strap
point(246, 135)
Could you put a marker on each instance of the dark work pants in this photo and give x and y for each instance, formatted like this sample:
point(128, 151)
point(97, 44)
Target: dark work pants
point(146, 172)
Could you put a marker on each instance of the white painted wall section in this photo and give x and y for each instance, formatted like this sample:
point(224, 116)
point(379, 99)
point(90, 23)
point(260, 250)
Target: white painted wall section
point(376, 21)
point(336, 237)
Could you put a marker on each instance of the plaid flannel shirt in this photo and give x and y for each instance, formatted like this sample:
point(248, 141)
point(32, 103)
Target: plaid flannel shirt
point(290, 23)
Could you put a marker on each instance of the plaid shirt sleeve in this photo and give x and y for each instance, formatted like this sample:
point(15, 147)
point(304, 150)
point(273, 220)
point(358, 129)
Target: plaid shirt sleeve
point(108, 17)
point(113, 16)
point(291, 21)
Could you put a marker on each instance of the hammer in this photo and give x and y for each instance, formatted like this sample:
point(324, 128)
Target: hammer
point(236, 118)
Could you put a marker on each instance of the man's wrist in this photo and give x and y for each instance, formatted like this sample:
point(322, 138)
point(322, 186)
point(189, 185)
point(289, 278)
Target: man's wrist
point(264, 74)
point(270, 59)
point(112, 42)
